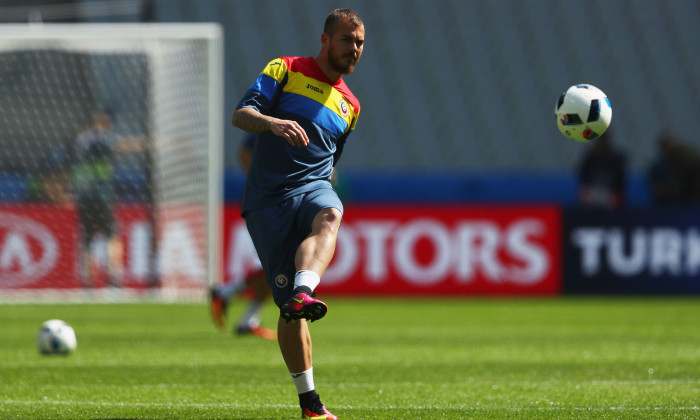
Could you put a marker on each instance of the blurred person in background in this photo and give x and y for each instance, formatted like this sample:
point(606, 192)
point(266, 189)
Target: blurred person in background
point(89, 162)
point(50, 182)
point(91, 171)
point(221, 296)
point(303, 113)
point(674, 176)
point(602, 175)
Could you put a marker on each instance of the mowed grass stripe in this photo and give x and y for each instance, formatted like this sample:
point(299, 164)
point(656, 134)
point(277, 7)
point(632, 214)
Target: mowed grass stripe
point(344, 407)
point(623, 358)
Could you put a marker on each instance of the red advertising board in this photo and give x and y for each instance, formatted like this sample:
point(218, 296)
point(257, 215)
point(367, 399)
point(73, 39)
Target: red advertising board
point(437, 250)
point(40, 248)
point(381, 250)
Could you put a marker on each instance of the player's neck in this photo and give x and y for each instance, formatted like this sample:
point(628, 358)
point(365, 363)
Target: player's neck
point(331, 74)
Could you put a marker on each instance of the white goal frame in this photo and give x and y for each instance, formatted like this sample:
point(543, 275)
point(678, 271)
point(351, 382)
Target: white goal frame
point(13, 35)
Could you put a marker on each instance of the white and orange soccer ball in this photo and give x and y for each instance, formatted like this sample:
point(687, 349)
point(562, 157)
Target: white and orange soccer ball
point(56, 337)
point(583, 112)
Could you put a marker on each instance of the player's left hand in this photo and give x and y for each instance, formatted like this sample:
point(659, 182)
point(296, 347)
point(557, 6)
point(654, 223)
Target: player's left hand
point(290, 131)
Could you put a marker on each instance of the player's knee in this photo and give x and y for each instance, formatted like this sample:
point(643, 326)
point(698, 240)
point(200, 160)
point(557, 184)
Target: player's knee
point(328, 220)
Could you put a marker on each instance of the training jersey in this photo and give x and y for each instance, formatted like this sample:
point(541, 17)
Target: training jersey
point(91, 170)
point(295, 88)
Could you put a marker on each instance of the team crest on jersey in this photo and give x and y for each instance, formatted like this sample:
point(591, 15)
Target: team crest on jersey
point(281, 281)
point(344, 108)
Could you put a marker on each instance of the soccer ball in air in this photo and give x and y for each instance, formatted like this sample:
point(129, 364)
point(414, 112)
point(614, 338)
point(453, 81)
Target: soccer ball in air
point(583, 112)
point(56, 337)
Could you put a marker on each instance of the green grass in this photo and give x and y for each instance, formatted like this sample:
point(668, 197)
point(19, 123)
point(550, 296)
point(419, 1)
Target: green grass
point(588, 358)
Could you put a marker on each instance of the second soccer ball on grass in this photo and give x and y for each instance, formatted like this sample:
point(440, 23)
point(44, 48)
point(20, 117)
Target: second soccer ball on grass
point(56, 337)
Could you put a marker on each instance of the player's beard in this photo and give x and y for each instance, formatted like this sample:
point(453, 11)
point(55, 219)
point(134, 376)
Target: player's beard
point(343, 64)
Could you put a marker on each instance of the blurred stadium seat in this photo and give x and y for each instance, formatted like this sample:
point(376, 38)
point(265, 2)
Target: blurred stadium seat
point(468, 88)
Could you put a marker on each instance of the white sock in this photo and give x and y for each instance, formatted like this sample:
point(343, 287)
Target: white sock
point(232, 288)
point(306, 278)
point(251, 318)
point(304, 381)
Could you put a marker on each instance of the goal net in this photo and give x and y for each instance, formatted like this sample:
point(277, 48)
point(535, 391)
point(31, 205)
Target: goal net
point(110, 159)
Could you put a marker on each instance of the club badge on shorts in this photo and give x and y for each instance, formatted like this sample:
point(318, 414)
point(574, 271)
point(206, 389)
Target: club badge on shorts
point(281, 281)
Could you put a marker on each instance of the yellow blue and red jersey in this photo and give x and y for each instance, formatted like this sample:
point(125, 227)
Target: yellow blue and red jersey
point(295, 88)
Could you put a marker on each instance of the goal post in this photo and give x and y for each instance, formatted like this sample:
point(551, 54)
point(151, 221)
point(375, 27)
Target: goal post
point(111, 152)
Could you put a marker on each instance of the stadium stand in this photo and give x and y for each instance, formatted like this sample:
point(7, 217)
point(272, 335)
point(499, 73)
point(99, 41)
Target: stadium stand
point(462, 93)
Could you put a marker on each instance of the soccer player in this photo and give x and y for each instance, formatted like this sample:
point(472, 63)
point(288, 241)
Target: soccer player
point(90, 158)
point(223, 294)
point(303, 112)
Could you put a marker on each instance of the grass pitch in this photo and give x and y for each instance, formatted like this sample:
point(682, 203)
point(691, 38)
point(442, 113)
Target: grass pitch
point(584, 358)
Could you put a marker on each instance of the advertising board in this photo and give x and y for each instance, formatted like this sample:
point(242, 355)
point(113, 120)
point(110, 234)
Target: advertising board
point(633, 251)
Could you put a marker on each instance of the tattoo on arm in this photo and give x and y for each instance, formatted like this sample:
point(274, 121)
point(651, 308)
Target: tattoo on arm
point(250, 120)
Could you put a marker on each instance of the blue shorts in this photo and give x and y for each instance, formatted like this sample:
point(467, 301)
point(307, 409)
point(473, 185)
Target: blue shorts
point(278, 230)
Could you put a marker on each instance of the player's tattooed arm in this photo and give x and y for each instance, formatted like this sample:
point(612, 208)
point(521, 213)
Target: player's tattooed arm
point(252, 121)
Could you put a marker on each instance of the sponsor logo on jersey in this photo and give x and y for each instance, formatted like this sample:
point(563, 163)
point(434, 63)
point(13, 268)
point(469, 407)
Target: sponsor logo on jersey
point(314, 88)
point(344, 108)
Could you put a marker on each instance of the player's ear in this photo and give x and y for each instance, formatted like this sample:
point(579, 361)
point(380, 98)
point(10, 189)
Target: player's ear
point(325, 40)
